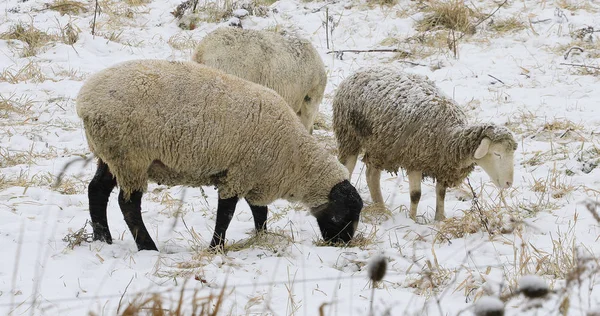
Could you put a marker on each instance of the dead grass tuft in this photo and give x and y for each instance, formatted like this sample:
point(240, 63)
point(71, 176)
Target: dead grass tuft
point(68, 7)
point(450, 14)
point(32, 38)
point(14, 104)
point(76, 238)
point(274, 241)
point(183, 41)
point(383, 3)
point(30, 71)
point(511, 24)
point(574, 5)
point(158, 304)
point(137, 2)
point(376, 214)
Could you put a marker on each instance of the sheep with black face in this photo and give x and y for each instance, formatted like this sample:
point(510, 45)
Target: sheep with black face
point(182, 123)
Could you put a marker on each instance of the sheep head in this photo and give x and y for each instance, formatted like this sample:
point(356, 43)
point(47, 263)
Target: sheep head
point(338, 217)
point(497, 160)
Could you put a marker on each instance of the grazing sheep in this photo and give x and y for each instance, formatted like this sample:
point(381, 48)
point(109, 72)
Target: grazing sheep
point(403, 121)
point(182, 123)
point(289, 65)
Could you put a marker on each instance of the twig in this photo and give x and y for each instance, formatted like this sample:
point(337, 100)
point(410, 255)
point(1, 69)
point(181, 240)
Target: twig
point(571, 49)
point(121, 299)
point(340, 53)
point(382, 50)
point(327, 26)
point(502, 82)
point(577, 65)
point(94, 23)
point(476, 205)
point(539, 21)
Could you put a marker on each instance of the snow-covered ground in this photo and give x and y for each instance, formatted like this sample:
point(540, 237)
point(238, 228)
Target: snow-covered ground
point(514, 77)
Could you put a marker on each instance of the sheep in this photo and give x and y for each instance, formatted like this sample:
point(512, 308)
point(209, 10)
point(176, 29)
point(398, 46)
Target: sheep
point(289, 65)
point(402, 120)
point(182, 123)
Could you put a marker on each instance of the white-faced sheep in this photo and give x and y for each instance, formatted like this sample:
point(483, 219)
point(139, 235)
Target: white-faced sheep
point(182, 123)
point(289, 65)
point(402, 120)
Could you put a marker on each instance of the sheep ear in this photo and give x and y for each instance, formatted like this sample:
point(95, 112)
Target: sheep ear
point(483, 148)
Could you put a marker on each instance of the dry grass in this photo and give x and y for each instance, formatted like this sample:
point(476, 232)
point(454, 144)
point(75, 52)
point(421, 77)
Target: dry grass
point(74, 239)
point(450, 14)
point(556, 184)
point(69, 34)
point(574, 5)
point(420, 46)
point(276, 241)
point(33, 39)
point(137, 2)
point(160, 304)
point(383, 3)
point(183, 41)
point(14, 104)
point(375, 214)
point(30, 72)
point(511, 24)
point(68, 7)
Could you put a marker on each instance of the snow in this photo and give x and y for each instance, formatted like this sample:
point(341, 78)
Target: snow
point(540, 225)
point(488, 305)
point(532, 286)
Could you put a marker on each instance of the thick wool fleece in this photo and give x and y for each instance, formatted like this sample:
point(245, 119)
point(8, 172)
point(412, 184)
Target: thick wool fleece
point(182, 123)
point(289, 65)
point(403, 121)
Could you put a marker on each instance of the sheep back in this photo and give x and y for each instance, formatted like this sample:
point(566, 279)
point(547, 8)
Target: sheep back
point(181, 123)
point(289, 65)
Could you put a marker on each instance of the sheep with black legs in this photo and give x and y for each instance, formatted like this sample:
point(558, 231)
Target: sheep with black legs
point(182, 123)
point(289, 65)
point(402, 120)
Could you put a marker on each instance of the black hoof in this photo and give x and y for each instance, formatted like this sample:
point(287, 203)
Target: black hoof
point(147, 246)
point(102, 234)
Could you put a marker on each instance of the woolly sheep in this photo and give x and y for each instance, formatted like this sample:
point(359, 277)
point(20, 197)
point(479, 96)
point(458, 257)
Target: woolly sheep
point(181, 123)
point(289, 65)
point(402, 120)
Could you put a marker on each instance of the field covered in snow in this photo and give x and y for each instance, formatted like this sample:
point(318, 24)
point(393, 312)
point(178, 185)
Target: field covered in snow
point(532, 65)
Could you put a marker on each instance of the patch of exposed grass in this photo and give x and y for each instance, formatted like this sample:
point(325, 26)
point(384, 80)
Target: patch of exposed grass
point(137, 2)
point(183, 41)
point(450, 14)
point(68, 7)
point(511, 24)
point(383, 3)
point(33, 39)
point(574, 5)
point(273, 241)
point(14, 104)
point(375, 214)
point(30, 72)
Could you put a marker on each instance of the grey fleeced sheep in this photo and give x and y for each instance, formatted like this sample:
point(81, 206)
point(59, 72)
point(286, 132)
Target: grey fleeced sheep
point(289, 65)
point(182, 123)
point(402, 120)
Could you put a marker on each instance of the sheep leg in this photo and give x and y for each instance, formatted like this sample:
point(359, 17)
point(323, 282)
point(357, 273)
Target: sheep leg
point(259, 213)
point(373, 182)
point(440, 194)
point(225, 210)
point(99, 191)
point(349, 162)
point(132, 212)
point(414, 187)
